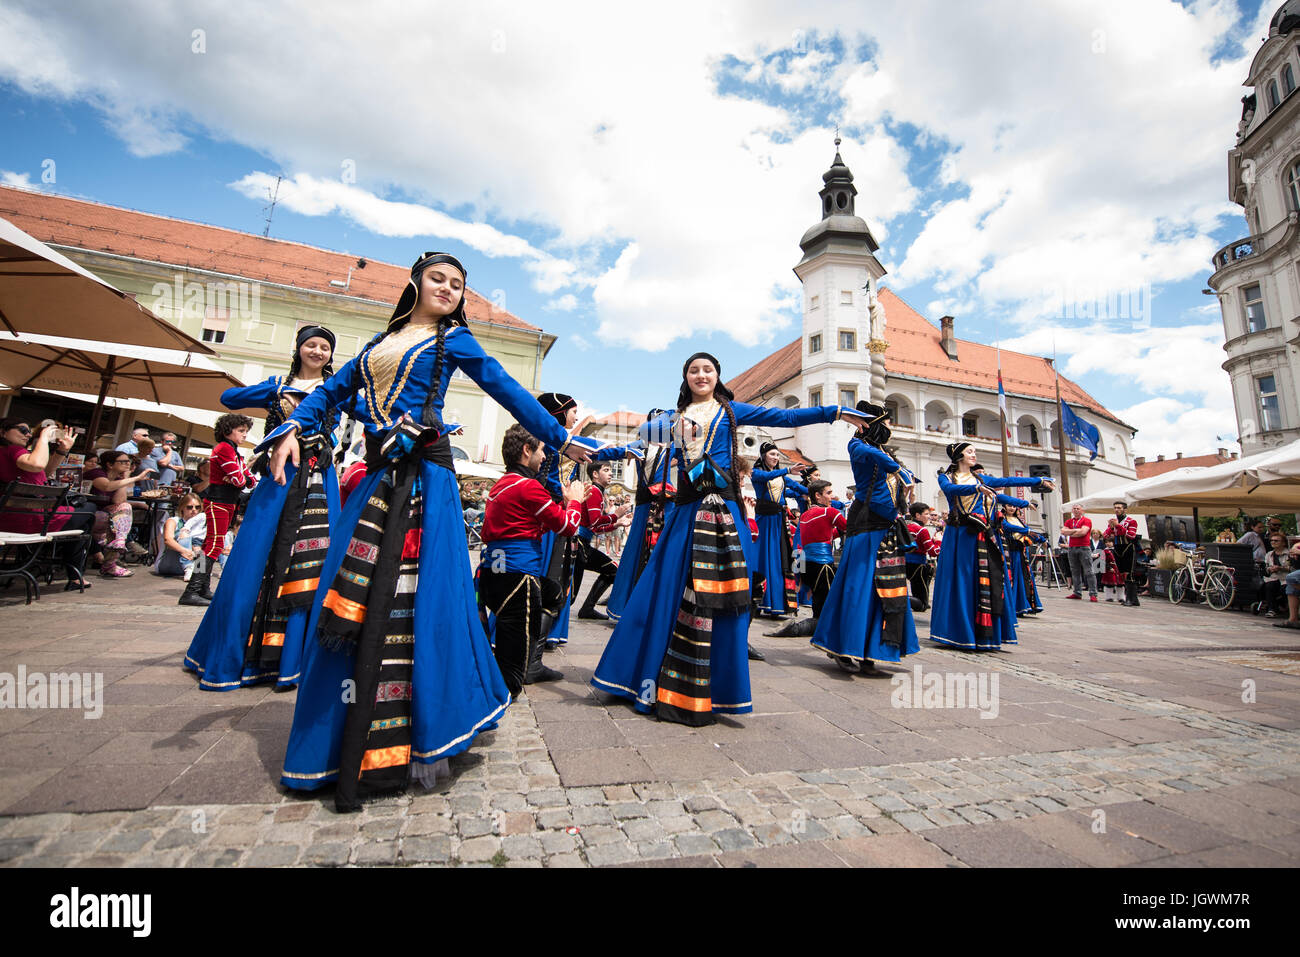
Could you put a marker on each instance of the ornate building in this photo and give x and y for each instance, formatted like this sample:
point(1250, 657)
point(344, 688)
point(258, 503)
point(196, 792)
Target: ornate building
point(246, 296)
point(862, 341)
point(1256, 278)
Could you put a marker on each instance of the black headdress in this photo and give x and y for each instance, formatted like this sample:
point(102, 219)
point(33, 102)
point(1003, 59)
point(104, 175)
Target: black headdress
point(402, 311)
point(955, 451)
point(684, 395)
point(765, 448)
point(805, 475)
point(877, 430)
point(557, 403)
point(303, 334)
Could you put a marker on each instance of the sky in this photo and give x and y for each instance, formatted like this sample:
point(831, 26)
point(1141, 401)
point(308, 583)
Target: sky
point(635, 179)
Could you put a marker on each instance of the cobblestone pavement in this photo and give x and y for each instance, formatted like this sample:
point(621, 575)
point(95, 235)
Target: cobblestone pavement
point(1152, 736)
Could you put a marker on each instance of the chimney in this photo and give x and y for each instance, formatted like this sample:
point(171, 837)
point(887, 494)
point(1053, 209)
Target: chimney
point(946, 337)
point(1178, 455)
point(1140, 460)
point(1160, 458)
point(1223, 455)
point(1234, 455)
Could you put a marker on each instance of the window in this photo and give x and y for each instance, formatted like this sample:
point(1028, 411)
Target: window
point(1288, 80)
point(1033, 434)
point(346, 346)
point(1273, 99)
point(815, 343)
point(216, 322)
point(263, 333)
point(1292, 189)
point(848, 396)
point(848, 340)
point(969, 425)
point(892, 409)
point(1255, 318)
point(814, 302)
point(814, 397)
point(846, 297)
point(1270, 412)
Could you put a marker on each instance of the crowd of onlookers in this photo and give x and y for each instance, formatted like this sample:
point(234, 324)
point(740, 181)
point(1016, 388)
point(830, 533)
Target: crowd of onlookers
point(111, 491)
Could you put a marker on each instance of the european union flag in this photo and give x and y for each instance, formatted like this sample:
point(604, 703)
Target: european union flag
point(1078, 431)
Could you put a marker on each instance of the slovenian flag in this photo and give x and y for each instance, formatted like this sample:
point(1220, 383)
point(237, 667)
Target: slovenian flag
point(1002, 405)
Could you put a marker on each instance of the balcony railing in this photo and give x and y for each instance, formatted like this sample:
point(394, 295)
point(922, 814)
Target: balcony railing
point(1231, 253)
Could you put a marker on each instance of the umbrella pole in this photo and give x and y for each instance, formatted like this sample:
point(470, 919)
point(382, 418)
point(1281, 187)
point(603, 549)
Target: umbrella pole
point(105, 379)
point(1196, 523)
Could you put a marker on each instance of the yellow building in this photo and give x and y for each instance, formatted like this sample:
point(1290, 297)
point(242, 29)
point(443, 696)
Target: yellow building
point(246, 295)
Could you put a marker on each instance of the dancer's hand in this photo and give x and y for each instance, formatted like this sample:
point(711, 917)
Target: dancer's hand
point(575, 491)
point(286, 448)
point(576, 453)
point(1048, 484)
point(853, 418)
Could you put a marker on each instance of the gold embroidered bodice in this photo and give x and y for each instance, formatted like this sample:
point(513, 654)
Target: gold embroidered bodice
point(386, 367)
point(966, 503)
point(287, 402)
point(703, 414)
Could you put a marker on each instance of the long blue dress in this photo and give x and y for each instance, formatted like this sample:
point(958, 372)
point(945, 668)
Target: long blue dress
point(774, 545)
point(630, 665)
point(456, 687)
point(217, 652)
point(852, 617)
point(629, 564)
point(1020, 537)
point(956, 576)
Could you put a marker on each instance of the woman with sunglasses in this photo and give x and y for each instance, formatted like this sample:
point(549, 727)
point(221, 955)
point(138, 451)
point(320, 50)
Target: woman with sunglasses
point(181, 538)
point(110, 488)
point(400, 674)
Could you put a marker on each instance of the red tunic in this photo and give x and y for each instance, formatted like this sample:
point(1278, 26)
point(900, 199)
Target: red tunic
point(926, 544)
point(821, 524)
point(227, 467)
point(519, 506)
point(594, 516)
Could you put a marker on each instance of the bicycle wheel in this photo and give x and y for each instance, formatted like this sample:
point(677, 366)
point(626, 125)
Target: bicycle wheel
point(1219, 589)
point(1180, 585)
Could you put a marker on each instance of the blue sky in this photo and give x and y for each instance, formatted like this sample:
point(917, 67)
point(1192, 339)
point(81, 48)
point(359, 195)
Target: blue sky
point(639, 190)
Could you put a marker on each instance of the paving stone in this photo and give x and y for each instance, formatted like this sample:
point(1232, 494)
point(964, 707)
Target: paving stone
point(272, 855)
point(329, 855)
point(601, 834)
point(479, 848)
point(677, 825)
point(521, 847)
point(377, 852)
point(434, 849)
point(692, 844)
point(508, 802)
point(628, 810)
point(913, 820)
point(714, 820)
point(653, 852)
point(609, 854)
point(734, 839)
point(943, 817)
point(890, 803)
point(974, 815)
point(697, 805)
point(558, 842)
point(643, 831)
point(16, 847)
point(179, 837)
point(547, 797)
point(585, 796)
point(472, 827)
point(592, 814)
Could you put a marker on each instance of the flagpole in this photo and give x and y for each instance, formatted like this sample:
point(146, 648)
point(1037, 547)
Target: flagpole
point(1060, 429)
point(1002, 406)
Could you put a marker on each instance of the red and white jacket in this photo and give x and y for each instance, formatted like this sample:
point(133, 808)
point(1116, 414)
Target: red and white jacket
point(227, 474)
point(821, 524)
point(518, 506)
point(1126, 527)
point(595, 520)
point(926, 544)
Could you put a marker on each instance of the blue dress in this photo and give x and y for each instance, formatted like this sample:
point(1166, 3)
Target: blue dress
point(559, 633)
point(1019, 538)
point(630, 564)
point(851, 621)
point(216, 654)
point(456, 687)
point(956, 578)
point(774, 545)
point(630, 665)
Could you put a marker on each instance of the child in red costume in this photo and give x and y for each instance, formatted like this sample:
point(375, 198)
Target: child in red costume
point(229, 476)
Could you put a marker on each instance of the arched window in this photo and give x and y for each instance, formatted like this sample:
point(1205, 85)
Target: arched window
point(1288, 80)
point(1273, 98)
point(1292, 189)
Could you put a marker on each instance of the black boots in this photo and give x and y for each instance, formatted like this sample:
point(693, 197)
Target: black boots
point(538, 672)
point(196, 589)
point(588, 609)
point(1131, 593)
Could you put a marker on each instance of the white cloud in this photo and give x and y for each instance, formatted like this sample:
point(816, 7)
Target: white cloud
point(566, 303)
point(21, 180)
point(579, 343)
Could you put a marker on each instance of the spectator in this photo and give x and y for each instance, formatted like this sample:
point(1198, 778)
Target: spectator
point(170, 462)
point(1277, 565)
point(132, 447)
point(110, 484)
point(1078, 532)
point(1255, 539)
point(148, 457)
point(182, 536)
point(201, 477)
point(1292, 591)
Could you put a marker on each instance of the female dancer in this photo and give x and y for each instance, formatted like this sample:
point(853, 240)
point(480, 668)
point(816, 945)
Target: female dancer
point(969, 607)
point(277, 558)
point(1020, 539)
point(653, 492)
point(771, 485)
point(680, 648)
point(867, 614)
point(402, 675)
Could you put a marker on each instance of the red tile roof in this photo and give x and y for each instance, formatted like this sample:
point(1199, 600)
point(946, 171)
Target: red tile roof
point(61, 221)
point(1153, 467)
point(915, 350)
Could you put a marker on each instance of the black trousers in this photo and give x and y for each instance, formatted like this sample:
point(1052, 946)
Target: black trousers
point(516, 600)
point(588, 556)
point(919, 575)
point(818, 578)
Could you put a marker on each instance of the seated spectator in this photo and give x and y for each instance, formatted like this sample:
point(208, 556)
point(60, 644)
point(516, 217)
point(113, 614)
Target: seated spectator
point(202, 474)
point(182, 536)
point(110, 484)
point(1277, 565)
point(1255, 539)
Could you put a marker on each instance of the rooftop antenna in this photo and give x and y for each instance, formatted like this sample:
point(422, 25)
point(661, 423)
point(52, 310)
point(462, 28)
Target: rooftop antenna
point(273, 196)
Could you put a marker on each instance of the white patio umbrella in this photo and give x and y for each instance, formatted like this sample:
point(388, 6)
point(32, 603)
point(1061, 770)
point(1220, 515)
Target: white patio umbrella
point(468, 469)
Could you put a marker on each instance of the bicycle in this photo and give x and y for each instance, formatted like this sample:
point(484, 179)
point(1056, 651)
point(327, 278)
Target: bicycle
point(1217, 585)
